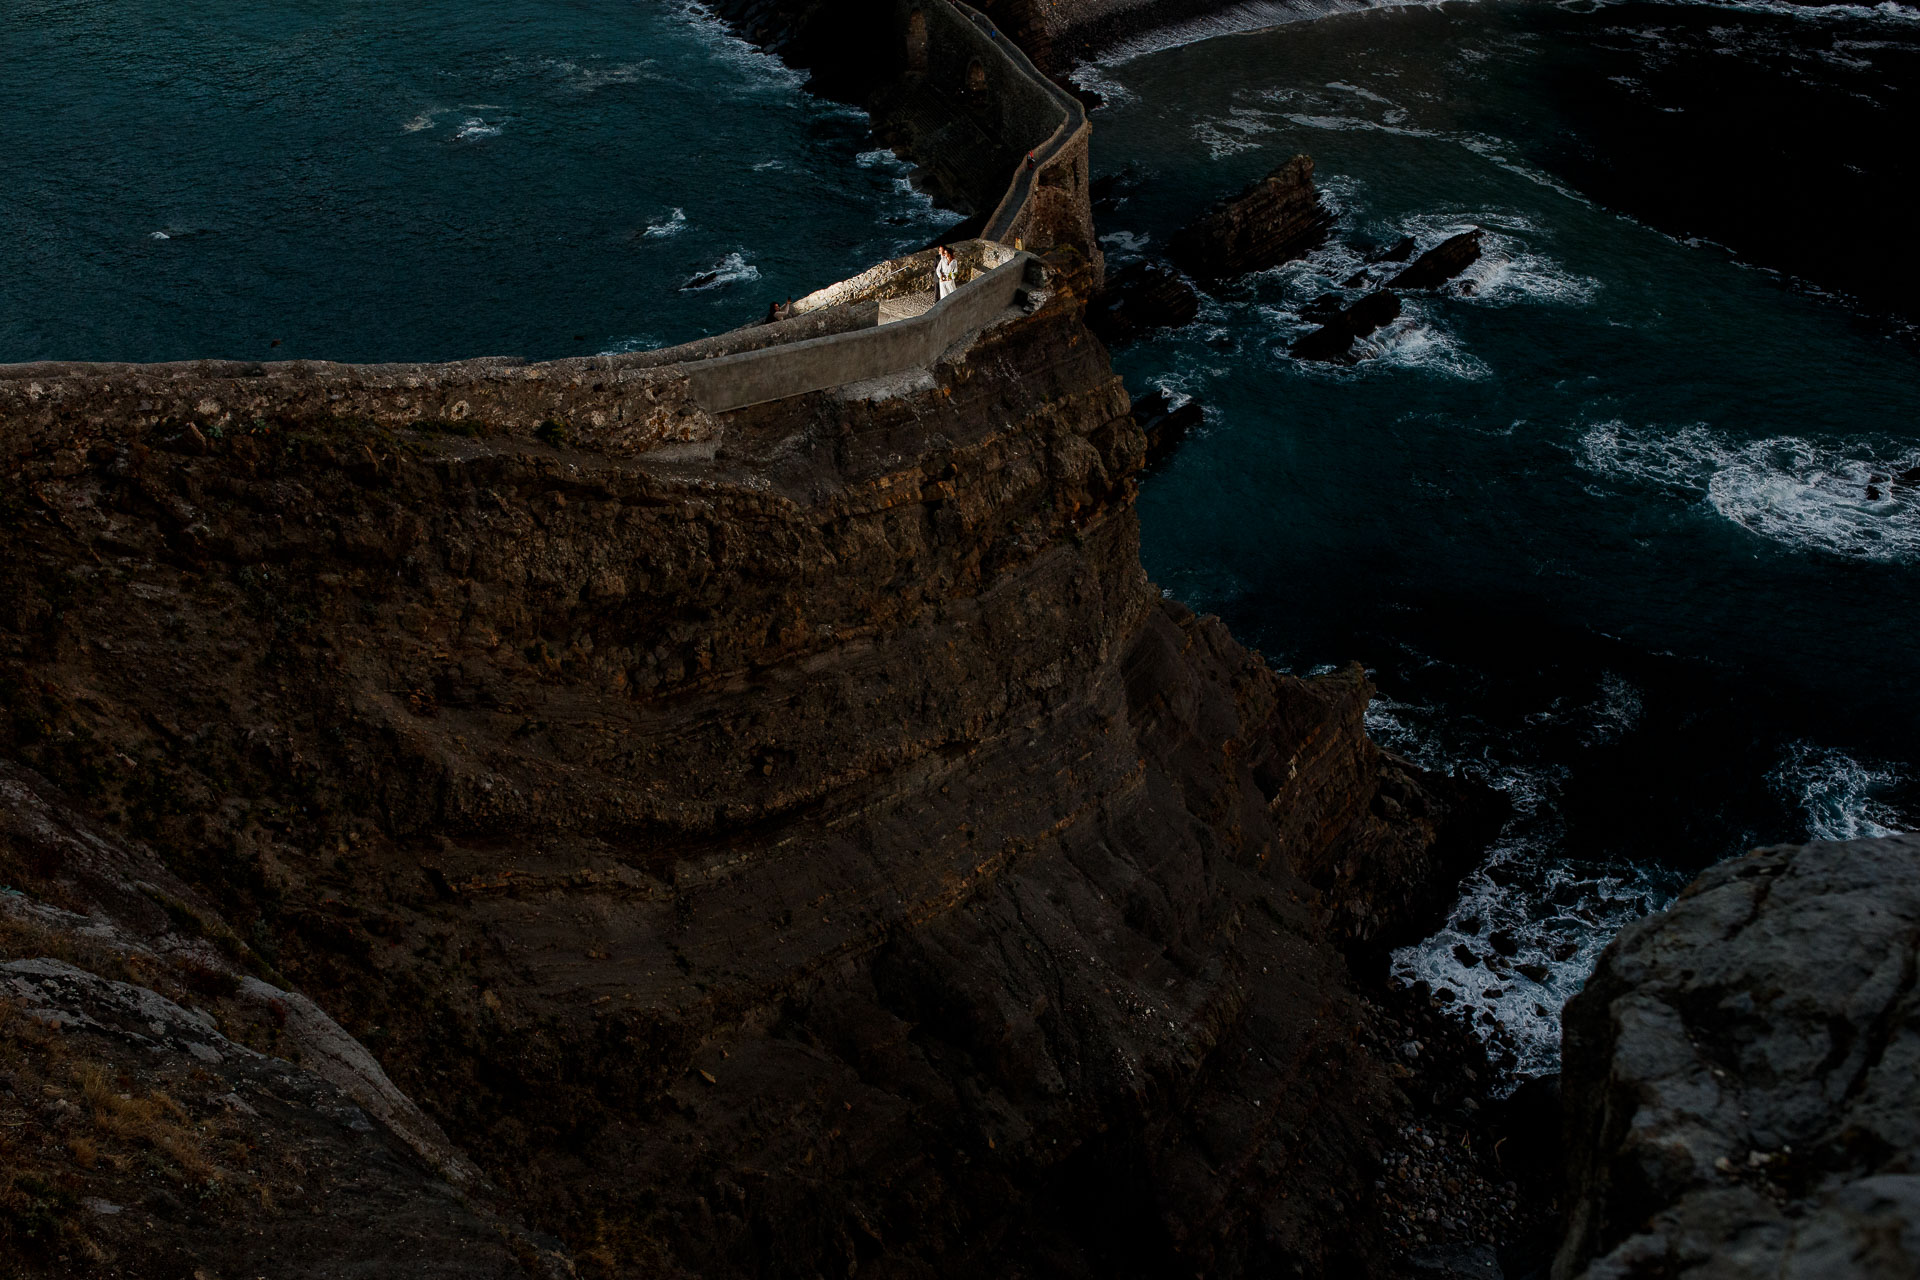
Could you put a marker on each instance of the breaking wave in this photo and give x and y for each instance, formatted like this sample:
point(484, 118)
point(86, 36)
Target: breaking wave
point(1842, 798)
point(1847, 499)
point(672, 225)
point(730, 270)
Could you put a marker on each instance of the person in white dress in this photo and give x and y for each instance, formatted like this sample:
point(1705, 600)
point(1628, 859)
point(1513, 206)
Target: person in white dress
point(946, 276)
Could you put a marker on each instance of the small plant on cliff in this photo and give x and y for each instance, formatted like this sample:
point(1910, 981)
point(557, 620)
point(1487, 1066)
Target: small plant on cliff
point(551, 433)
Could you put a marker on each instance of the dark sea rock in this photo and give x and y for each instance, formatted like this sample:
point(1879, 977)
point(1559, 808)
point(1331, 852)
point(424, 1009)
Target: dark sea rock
point(1399, 251)
point(1333, 341)
point(1742, 1076)
point(1276, 218)
point(1163, 424)
point(1441, 263)
point(1139, 298)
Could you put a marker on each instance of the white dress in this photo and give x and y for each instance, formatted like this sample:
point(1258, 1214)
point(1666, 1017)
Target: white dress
point(943, 277)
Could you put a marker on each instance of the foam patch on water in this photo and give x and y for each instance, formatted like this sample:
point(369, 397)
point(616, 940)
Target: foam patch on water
point(910, 204)
point(1239, 130)
point(760, 68)
point(730, 270)
point(425, 120)
point(671, 225)
point(476, 129)
point(1092, 77)
point(1843, 798)
point(1524, 937)
point(1851, 499)
point(1884, 12)
point(584, 80)
point(1416, 342)
point(1529, 925)
point(1256, 15)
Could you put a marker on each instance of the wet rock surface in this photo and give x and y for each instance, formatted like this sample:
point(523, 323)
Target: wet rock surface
point(1439, 264)
point(1743, 1076)
point(1274, 219)
point(1340, 329)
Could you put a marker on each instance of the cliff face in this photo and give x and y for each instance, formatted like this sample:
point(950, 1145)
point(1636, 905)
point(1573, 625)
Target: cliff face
point(1743, 1076)
point(803, 842)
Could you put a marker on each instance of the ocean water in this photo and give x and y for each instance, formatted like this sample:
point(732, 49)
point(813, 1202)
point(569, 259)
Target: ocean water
point(414, 182)
point(1616, 519)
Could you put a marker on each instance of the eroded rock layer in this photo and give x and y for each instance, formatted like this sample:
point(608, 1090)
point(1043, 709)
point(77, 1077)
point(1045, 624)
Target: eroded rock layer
point(803, 843)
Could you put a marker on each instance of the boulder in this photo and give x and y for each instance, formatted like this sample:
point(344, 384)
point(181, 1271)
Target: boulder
point(1333, 341)
point(1277, 218)
point(1441, 263)
point(1742, 1076)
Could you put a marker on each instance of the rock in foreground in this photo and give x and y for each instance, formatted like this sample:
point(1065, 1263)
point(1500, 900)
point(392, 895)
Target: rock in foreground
point(1743, 1076)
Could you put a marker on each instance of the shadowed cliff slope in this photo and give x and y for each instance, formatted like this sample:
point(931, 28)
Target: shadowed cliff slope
point(807, 845)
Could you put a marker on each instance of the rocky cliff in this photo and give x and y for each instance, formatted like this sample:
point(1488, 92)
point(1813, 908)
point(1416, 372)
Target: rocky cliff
point(768, 844)
point(1743, 1076)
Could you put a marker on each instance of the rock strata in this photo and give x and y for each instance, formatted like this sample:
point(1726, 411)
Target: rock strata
point(1276, 218)
point(1742, 1076)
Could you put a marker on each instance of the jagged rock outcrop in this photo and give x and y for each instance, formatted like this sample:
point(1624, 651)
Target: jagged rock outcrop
point(1742, 1076)
point(1276, 218)
point(1341, 328)
point(806, 844)
point(1441, 263)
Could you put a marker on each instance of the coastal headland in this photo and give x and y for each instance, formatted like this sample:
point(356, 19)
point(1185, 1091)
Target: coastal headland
point(741, 809)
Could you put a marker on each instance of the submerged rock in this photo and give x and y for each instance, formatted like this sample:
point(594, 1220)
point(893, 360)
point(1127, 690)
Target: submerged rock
point(1742, 1076)
point(1275, 219)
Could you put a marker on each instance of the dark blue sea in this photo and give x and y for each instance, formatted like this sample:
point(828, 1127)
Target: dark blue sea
point(1617, 521)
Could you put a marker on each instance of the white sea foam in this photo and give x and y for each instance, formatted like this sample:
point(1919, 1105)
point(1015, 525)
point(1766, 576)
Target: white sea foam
point(425, 120)
point(1842, 798)
point(160, 235)
point(1614, 713)
point(1415, 341)
point(730, 270)
point(1556, 918)
point(760, 68)
point(1092, 77)
point(1256, 15)
point(671, 225)
point(593, 77)
point(1854, 499)
point(475, 129)
point(1237, 131)
point(1886, 12)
